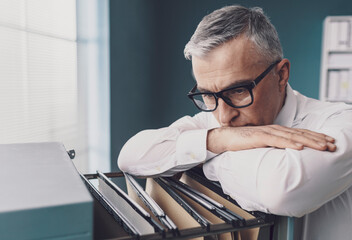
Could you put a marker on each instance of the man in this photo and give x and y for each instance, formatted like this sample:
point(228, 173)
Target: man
point(271, 148)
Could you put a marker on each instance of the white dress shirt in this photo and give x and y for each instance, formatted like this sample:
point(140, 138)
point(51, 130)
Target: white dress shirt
point(310, 183)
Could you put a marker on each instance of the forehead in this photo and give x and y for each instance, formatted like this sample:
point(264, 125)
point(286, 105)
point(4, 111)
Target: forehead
point(230, 63)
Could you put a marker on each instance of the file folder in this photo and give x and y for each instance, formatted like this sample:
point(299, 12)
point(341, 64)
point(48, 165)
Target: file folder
point(196, 179)
point(210, 204)
point(199, 218)
point(151, 204)
point(192, 221)
point(132, 212)
point(128, 228)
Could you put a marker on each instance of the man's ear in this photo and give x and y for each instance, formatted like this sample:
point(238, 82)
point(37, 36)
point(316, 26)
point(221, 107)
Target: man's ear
point(283, 73)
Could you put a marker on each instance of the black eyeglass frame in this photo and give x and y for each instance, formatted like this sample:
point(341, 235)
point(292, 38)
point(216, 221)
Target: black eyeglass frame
point(219, 94)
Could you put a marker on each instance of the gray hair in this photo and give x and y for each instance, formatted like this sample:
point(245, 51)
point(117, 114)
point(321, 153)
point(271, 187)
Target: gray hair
point(230, 22)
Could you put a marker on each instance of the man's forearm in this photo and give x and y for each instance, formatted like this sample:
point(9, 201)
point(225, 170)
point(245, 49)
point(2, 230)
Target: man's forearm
point(166, 151)
point(224, 139)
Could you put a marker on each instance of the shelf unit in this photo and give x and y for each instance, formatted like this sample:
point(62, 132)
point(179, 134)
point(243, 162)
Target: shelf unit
point(336, 61)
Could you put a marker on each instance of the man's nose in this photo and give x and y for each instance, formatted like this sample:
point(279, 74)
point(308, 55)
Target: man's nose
point(226, 113)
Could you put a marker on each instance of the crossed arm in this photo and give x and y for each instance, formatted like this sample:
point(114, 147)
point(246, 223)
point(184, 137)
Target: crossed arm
point(268, 168)
point(292, 181)
point(220, 140)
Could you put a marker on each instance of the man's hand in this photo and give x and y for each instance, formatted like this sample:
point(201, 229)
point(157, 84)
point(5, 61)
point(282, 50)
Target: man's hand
point(240, 138)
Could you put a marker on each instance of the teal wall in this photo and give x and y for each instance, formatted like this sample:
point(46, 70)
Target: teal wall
point(150, 77)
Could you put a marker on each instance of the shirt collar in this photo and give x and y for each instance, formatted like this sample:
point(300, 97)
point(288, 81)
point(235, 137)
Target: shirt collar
point(288, 111)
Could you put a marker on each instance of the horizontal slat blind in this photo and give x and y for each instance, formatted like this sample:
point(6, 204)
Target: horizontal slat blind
point(38, 72)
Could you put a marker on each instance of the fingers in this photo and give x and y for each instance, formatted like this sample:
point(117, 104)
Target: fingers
point(240, 138)
point(282, 142)
point(331, 147)
point(326, 142)
point(304, 137)
point(318, 136)
point(306, 132)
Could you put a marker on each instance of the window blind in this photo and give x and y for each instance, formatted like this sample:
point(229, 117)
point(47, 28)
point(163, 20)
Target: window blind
point(38, 73)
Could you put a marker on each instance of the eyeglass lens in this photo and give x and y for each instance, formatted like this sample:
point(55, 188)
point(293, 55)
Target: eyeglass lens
point(237, 97)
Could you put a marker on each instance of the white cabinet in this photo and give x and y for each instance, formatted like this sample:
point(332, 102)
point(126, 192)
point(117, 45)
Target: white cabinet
point(336, 63)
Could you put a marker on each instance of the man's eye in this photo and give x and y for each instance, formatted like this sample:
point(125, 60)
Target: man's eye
point(207, 96)
point(238, 91)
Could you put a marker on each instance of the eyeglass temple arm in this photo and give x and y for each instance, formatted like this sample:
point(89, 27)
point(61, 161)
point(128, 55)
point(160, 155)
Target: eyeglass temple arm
point(261, 76)
point(193, 89)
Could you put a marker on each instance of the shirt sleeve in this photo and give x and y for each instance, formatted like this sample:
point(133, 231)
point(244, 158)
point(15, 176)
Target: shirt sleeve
point(169, 150)
point(286, 181)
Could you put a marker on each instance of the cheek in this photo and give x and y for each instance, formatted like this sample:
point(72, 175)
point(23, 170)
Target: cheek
point(264, 108)
point(255, 113)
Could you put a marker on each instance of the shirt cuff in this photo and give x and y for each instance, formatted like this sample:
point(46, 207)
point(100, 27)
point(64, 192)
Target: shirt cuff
point(191, 147)
point(210, 155)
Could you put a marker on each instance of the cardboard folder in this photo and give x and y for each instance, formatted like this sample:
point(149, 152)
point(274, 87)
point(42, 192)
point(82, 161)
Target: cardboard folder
point(177, 214)
point(212, 218)
point(184, 220)
point(247, 234)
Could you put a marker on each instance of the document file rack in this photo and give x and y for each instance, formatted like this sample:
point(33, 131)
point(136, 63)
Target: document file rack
point(111, 223)
point(336, 60)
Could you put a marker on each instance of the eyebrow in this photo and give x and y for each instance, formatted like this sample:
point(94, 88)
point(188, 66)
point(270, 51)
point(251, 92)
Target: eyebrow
point(237, 84)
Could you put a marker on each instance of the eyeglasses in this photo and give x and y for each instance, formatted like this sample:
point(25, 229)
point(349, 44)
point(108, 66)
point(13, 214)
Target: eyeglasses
point(239, 96)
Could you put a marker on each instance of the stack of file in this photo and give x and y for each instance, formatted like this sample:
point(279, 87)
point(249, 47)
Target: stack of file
point(171, 209)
